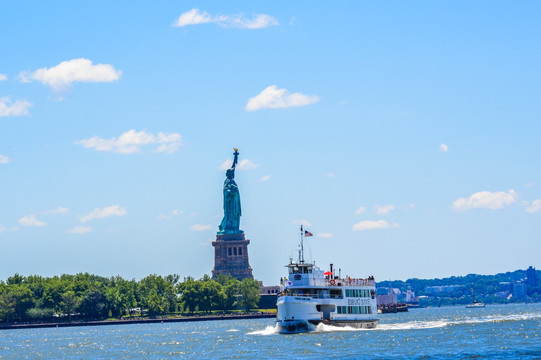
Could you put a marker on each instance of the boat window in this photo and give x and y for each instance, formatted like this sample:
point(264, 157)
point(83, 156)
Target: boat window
point(235, 251)
point(302, 292)
point(354, 310)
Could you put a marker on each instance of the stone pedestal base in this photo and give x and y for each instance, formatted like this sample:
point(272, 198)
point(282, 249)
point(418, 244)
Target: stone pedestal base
point(231, 256)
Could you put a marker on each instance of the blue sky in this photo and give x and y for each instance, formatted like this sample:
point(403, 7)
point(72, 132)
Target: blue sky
point(404, 135)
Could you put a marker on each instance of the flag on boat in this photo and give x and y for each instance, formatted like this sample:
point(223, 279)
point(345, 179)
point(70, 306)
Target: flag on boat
point(307, 233)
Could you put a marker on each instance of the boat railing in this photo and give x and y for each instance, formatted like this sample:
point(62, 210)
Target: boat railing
point(311, 294)
point(349, 282)
point(336, 282)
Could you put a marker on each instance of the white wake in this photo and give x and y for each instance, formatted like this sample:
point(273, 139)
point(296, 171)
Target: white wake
point(411, 325)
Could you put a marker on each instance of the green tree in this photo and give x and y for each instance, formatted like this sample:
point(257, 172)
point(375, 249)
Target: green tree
point(204, 294)
point(15, 300)
point(248, 294)
point(231, 290)
point(94, 304)
point(7, 304)
point(163, 288)
point(155, 304)
point(69, 303)
point(37, 313)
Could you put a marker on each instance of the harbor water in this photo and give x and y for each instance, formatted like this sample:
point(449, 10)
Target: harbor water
point(493, 332)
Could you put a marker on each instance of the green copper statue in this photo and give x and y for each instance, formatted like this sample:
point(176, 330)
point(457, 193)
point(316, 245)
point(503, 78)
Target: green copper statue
point(231, 221)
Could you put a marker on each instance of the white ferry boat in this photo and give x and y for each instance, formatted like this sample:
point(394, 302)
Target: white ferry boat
point(310, 296)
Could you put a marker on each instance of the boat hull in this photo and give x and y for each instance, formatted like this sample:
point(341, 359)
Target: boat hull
point(294, 326)
point(475, 306)
point(299, 326)
point(357, 324)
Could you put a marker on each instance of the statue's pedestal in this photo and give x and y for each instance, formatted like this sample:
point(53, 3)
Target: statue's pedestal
point(231, 256)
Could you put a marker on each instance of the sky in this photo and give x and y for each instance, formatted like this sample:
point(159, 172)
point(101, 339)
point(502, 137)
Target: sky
point(404, 135)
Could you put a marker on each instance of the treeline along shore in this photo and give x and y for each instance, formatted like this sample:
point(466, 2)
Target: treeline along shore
point(86, 298)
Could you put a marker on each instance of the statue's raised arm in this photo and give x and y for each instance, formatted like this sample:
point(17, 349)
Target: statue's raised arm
point(235, 158)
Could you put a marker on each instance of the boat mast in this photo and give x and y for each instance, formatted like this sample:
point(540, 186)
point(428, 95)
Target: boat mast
point(301, 251)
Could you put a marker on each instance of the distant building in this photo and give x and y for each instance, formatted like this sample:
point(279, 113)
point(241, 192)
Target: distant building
point(268, 290)
point(531, 277)
point(387, 299)
point(441, 289)
point(410, 296)
point(267, 296)
point(519, 290)
point(502, 294)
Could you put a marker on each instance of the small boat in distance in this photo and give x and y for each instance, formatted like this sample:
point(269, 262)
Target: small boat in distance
point(309, 296)
point(475, 304)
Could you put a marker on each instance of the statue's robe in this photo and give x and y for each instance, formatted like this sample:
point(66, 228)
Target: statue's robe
point(232, 210)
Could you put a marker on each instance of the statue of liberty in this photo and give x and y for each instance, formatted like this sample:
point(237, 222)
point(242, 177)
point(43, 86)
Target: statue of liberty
point(231, 221)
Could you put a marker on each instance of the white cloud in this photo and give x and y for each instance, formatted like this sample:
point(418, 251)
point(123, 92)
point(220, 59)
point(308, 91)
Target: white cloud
point(79, 230)
point(274, 98)
point(486, 200)
point(244, 164)
point(30, 220)
point(64, 74)
point(444, 148)
point(18, 108)
point(329, 175)
point(325, 235)
point(193, 17)
point(131, 142)
point(373, 224)
point(4, 159)
point(113, 210)
point(384, 210)
point(302, 222)
point(3, 228)
point(360, 210)
point(265, 178)
point(3, 77)
point(200, 227)
point(58, 210)
point(259, 21)
point(172, 215)
point(535, 206)
point(196, 16)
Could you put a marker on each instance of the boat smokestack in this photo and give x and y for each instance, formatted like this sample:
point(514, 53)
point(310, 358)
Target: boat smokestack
point(332, 273)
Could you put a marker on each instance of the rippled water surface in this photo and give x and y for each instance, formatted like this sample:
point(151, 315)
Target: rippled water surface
point(496, 332)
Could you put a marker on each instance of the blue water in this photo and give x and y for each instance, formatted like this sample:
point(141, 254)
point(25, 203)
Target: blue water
point(496, 332)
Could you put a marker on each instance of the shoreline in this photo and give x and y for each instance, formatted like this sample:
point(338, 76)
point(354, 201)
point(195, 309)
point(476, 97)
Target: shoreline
point(136, 321)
